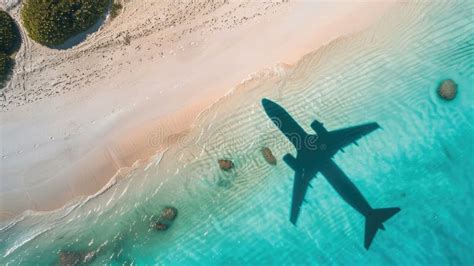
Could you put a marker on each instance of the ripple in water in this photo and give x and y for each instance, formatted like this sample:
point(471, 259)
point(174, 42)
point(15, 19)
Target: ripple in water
point(420, 161)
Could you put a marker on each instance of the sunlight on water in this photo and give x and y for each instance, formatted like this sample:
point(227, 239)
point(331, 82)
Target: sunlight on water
point(420, 161)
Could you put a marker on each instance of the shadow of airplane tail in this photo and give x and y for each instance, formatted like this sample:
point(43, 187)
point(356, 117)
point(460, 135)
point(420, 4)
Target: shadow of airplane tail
point(374, 221)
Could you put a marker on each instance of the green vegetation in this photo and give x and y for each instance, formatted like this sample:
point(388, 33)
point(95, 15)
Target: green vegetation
point(7, 32)
point(9, 38)
point(114, 12)
point(52, 22)
point(4, 66)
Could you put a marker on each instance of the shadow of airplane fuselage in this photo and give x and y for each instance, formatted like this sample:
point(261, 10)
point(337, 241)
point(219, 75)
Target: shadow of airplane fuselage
point(314, 154)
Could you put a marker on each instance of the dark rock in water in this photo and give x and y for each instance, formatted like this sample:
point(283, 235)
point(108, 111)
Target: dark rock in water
point(268, 155)
point(447, 89)
point(225, 164)
point(167, 216)
point(169, 213)
point(70, 258)
point(160, 226)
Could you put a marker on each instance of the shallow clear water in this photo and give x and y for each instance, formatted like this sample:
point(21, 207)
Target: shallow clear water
point(421, 161)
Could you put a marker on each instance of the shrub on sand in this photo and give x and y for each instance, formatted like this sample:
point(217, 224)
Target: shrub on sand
point(8, 40)
point(52, 22)
point(4, 66)
point(7, 32)
point(114, 11)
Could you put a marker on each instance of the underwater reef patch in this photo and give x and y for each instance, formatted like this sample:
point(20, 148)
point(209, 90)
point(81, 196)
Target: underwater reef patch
point(225, 164)
point(268, 155)
point(166, 219)
point(448, 89)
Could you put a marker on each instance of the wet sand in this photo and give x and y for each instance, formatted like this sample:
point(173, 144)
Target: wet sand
point(419, 162)
point(74, 118)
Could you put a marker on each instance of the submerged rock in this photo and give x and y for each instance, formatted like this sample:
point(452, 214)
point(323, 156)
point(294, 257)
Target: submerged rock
point(225, 164)
point(75, 257)
point(268, 155)
point(447, 89)
point(167, 216)
point(169, 213)
point(159, 226)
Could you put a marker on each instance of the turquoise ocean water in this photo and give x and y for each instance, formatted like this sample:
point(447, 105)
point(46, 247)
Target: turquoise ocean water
point(422, 162)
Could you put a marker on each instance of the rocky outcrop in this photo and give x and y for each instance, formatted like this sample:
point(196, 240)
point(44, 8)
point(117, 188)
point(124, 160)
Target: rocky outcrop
point(71, 258)
point(167, 217)
point(447, 89)
point(268, 155)
point(225, 165)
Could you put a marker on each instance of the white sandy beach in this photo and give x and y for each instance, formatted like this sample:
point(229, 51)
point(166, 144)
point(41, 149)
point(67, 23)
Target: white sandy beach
point(72, 118)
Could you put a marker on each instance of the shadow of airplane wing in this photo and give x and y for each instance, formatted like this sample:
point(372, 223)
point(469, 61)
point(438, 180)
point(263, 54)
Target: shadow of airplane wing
point(341, 138)
point(300, 186)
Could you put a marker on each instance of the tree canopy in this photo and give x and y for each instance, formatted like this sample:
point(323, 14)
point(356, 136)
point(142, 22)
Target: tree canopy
point(52, 22)
point(8, 41)
point(7, 32)
point(4, 65)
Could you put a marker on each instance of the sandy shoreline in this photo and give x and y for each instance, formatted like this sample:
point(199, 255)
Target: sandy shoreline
point(117, 103)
